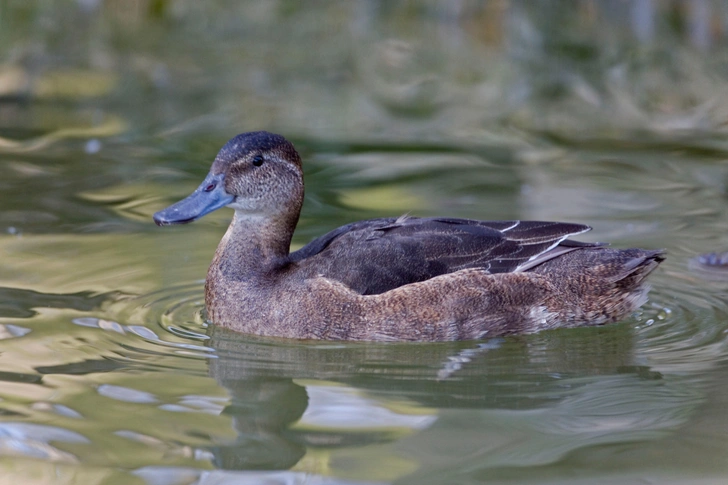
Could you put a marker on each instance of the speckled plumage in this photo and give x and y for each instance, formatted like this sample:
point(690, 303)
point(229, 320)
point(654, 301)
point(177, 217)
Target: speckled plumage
point(423, 279)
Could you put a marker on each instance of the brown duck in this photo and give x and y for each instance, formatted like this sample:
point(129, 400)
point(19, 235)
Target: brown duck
point(403, 278)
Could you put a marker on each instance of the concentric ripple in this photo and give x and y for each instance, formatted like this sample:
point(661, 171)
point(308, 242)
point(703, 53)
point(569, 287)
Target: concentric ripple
point(683, 328)
point(172, 317)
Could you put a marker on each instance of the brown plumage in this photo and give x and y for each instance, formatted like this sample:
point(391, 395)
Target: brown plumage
point(424, 279)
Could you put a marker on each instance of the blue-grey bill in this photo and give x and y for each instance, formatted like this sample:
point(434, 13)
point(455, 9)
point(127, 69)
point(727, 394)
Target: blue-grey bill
point(208, 197)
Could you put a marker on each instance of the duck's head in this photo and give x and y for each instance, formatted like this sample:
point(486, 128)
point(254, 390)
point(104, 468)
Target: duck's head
point(258, 174)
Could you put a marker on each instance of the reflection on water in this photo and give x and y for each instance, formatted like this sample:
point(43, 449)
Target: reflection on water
point(608, 113)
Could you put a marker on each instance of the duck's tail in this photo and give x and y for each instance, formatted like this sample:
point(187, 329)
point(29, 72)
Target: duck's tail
point(600, 285)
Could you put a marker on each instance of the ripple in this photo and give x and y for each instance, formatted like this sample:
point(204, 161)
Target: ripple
point(185, 317)
point(177, 309)
point(126, 394)
point(171, 319)
point(683, 329)
point(33, 440)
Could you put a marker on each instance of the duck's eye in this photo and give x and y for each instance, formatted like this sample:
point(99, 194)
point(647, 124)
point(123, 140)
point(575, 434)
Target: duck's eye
point(258, 160)
point(210, 187)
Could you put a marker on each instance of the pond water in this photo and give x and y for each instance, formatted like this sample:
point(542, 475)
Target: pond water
point(608, 114)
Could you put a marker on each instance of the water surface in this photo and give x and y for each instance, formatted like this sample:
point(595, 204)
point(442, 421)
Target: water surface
point(109, 372)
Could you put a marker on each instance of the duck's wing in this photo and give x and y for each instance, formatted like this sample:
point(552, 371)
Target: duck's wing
point(322, 242)
point(378, 255)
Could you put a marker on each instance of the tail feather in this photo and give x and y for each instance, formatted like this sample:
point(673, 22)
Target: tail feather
point(636, 269)
point(599, 285)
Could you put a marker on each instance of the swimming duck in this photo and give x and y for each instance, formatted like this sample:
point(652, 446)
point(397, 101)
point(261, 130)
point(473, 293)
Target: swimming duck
point(405, 278)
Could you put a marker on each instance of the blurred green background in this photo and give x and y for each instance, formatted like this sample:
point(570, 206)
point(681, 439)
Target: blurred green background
point(366, 70)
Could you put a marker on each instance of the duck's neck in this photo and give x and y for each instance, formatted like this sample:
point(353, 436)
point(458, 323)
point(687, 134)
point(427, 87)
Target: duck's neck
point(254, 245)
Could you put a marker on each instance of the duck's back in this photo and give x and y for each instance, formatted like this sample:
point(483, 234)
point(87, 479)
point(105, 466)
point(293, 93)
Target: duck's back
point(375, 256)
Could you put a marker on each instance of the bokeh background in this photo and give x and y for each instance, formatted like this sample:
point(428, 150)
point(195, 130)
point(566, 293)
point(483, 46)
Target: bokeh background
point(611, 113)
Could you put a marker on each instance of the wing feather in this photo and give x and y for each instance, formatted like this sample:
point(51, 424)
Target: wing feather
point(378, 255)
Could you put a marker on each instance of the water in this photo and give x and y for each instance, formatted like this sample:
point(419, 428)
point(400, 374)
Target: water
point(109, 372)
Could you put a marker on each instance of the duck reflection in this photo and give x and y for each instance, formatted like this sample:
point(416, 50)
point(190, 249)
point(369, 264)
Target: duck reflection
point(263, 410)
point(292, 398)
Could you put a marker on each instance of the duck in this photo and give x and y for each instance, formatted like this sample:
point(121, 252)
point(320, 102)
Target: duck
point(394, 279)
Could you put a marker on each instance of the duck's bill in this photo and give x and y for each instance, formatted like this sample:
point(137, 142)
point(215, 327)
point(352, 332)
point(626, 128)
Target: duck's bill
point(209, 196)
